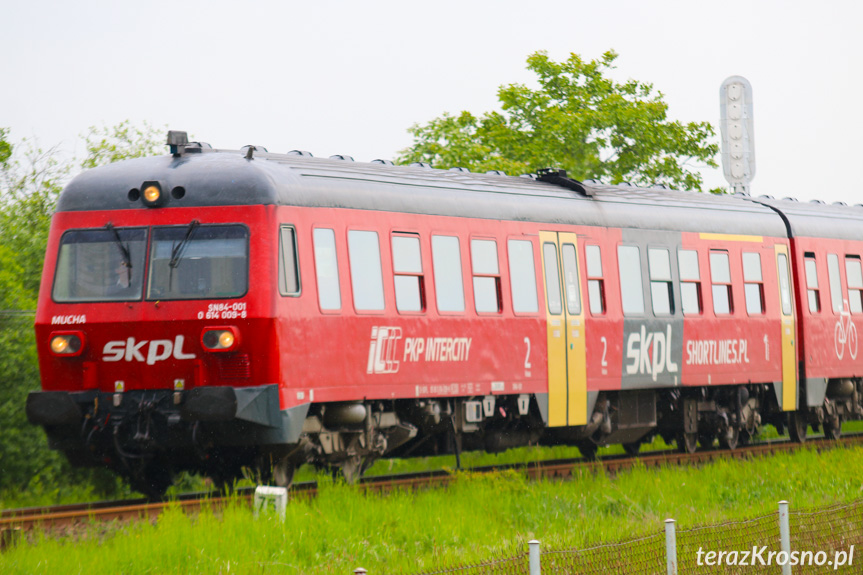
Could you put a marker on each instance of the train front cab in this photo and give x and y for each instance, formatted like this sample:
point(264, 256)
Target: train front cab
point(154, 332)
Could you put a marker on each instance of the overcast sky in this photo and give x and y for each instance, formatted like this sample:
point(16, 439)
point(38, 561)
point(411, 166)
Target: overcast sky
point(351, 77)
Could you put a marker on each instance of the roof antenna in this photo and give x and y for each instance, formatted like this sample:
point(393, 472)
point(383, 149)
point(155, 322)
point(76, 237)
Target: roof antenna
point(558, 177)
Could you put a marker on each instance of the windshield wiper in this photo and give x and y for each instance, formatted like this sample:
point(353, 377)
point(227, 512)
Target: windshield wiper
point(124, 249)
point(177, 252)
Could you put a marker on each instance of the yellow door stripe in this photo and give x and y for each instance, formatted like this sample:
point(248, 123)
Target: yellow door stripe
point(576, 348)
point(556, 338)
point(789, 357)
point(732, 238)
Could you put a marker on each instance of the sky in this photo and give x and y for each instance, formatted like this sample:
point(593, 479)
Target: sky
point(351, 77)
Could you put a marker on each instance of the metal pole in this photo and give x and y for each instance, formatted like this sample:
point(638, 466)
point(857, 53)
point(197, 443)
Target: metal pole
point(534, 557)
point(670, 547)
point(785, 536)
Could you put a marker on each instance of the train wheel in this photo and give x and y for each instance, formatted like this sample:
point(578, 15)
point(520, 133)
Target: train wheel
point(833, 427)
point(588, 449)
point(798, 421)
point(705, 440)
point(632, 449)
point(687, 442)
point(729, 438)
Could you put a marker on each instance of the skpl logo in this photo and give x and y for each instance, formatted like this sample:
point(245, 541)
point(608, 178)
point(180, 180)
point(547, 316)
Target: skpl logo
point(157, 350)
point(650, 353)
point(382, 350)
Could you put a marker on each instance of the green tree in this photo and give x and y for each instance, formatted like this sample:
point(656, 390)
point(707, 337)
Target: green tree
point(579, 120)
point(106, 145)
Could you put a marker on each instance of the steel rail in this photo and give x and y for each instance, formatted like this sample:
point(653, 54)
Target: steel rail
point(15, 521)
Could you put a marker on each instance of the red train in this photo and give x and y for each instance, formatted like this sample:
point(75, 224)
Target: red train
point(218, 310)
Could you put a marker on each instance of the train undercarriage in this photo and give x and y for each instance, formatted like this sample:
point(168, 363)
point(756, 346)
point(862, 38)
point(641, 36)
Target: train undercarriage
point(149, 438)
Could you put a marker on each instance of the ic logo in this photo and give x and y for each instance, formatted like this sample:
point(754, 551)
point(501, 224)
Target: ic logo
point(382, 349)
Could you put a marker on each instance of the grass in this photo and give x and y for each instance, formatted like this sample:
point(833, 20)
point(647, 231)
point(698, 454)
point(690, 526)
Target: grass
point(476, 518)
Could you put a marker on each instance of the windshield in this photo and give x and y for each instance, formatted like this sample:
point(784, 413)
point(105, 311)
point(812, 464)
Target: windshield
point(100, 265)
point(198, 262)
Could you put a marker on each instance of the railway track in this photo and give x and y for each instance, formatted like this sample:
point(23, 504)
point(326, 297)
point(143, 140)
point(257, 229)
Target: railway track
point(57, 518)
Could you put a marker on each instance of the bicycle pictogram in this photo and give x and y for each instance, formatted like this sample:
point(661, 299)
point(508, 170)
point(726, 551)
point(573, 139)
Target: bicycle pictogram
point(845, 333)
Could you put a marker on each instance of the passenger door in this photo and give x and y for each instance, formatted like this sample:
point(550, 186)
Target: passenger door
point(567, 368)
point(786, 310)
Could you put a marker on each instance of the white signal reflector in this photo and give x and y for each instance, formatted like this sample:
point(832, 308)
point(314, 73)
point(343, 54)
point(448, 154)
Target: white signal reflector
point(736, 127)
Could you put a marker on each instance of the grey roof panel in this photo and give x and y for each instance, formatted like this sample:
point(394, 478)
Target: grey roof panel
point(222, 178)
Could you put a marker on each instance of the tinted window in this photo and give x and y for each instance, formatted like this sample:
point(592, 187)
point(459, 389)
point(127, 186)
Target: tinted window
point(661, 294)
point(595, 283)
point(327, 269)
point(449, 286)
point(100, 265)
point(812, 290)
point(784, 284)
point(570, 278)
point(629, 264)
point(289, 275)
point(552, 279)
point(720, 273)
point(198, 262)
point(753, 290)
point(365, 257)
point(408, 274)
point(522, 276)
point(835, 282)
point(690, 286)
point(486, 280)
point(855, 283)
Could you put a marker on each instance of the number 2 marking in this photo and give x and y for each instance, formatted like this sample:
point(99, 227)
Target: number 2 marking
point(604, 350)
point(527, 355)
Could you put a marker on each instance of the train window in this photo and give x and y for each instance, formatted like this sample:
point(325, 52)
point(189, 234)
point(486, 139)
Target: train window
point(835, 282)
point(812, 283)
point(631, 286)
point(753, 284)
point(552, 279)
point(327, 269)
point(595, 283)
point(289, 273)
point(854, 275)
point(570, 278)
point(408, 273)
point(448, 283)
point(364, 254)
point(522, 276)
point(661, 293)
point(105, 264)
point(784, 284)
point(198, 262)
point(486, 276)
point(690, 282)
point(720, 275)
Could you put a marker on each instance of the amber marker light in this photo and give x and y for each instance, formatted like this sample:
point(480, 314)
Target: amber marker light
point(152, 194)
point(68, 344)
point(222, 338)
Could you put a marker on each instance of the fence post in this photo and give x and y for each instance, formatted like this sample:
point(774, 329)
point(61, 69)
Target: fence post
point(534, 557)
point(785, 536)
point(670, 547)
point(359, 571)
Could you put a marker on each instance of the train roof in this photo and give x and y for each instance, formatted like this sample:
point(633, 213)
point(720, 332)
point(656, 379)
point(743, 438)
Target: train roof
point(241, 177)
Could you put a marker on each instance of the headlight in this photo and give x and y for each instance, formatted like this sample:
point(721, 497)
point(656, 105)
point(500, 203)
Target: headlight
point(67, 343)
point(154, 194)
point(220, 338)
